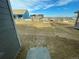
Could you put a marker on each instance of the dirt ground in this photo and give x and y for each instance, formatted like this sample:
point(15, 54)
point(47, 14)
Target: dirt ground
point(61, 39)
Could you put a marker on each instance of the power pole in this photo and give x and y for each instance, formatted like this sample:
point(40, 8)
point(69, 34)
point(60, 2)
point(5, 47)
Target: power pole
point(77, 19)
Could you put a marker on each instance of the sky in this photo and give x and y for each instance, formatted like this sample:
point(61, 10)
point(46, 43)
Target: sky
point(51, 8)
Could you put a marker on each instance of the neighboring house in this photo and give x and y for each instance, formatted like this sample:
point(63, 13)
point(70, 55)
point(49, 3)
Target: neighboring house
point(77, 20)
point(26, 15)
point(20, 13)
point(36, 17)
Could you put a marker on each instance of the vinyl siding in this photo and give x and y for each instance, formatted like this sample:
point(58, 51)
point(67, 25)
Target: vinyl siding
point(9, 43)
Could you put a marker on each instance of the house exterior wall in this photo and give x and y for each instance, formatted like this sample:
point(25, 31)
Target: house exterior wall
point(18, 16)
point(26, 15)
point(9, 44)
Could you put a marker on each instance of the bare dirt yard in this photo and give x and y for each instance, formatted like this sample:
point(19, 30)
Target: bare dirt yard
point(61, 39)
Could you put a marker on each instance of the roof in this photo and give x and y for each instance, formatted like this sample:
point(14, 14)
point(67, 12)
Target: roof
point(77, 11)
point(19, 11)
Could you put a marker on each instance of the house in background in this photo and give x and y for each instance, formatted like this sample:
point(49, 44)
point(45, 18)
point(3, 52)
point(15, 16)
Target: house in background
point(20, 14)
point(26, 15)
point(37, 17)
point(77, 20)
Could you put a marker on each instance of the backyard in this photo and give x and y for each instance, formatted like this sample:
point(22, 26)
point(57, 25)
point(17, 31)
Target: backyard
point(60, 38)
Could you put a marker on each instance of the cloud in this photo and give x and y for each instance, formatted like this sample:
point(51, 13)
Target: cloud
point(17, 4)
point(63, 2)
point(36, 4)
point(33, 5)
point(48, 6)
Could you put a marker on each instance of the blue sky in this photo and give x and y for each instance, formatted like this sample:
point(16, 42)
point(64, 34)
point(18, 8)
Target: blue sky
point(53, 8)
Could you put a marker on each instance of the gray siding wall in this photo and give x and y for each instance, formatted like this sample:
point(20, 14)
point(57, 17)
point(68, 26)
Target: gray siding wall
point(9, 43)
